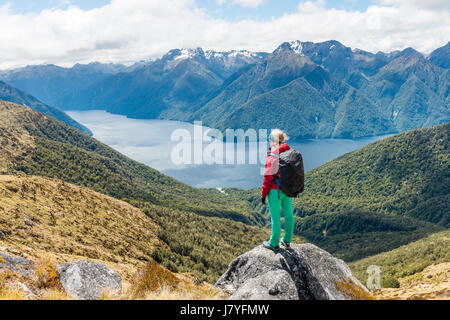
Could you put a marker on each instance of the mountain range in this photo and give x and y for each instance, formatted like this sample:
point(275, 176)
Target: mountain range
point(49, 83)
point(326, 89)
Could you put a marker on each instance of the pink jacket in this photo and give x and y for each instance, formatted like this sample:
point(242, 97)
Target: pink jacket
point(272, 169)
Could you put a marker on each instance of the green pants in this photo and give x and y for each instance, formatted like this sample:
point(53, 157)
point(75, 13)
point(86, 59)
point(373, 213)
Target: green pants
point(275, 205)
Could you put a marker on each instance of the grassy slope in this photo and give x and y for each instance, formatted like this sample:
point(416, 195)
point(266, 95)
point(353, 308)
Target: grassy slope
point(406, 260)
point(52, 216)
point(42, 215)
point(192, 240)
point(50, 221)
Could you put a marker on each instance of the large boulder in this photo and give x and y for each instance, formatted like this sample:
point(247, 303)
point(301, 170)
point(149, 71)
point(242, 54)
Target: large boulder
point(17, 264)
point(303, 272)
point(87, 280)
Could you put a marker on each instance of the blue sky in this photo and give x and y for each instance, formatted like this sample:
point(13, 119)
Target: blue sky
point(24, 6)
point(228, 10)
point(269, 9)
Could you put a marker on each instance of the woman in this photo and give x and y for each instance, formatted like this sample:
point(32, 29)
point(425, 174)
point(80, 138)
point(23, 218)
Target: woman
point(277, 199)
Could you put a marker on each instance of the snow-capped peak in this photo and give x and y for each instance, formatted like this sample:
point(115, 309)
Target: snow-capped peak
point(296, 46)
point(183, 54)
point(210, 54)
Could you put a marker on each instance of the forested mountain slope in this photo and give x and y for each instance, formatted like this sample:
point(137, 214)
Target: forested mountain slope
point(12, 94)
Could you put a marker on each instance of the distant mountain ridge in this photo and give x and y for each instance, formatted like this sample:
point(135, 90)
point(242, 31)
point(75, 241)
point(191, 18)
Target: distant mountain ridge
point(49, 82)
point(164, 88)
point(11, 94)
point(312, 90)
point(328, 90)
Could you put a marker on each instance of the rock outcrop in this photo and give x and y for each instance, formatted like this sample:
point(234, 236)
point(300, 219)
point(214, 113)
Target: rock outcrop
point(15, 263)
point(87, 280)
point(303, 272)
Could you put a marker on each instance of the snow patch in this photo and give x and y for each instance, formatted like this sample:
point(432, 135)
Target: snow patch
point(184, 54)
point(296, 46)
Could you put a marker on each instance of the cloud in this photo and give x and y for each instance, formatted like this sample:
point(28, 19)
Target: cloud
point(129, 30)
point(243, 3)
point(427, 4)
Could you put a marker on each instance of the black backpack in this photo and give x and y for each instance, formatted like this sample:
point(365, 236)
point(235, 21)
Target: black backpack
point(291, 172)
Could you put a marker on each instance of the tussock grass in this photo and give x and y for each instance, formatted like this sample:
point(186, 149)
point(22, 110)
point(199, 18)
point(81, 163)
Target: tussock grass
point(51, 217)
point(352, 290)
point(433, 283)
point(12, 293)
point(46, 275)
point(42, 282)
point(54, 294)
point(184, 293)
point(151, 278)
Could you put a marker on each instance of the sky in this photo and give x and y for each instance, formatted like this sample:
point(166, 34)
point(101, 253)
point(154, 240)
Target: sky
point(65, 32)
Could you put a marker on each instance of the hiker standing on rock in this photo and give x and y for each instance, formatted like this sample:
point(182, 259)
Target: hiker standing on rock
point(283, 180)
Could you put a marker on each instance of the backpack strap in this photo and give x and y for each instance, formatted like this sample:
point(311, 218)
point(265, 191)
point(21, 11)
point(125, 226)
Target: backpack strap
point(276, 180)
point(276, 155)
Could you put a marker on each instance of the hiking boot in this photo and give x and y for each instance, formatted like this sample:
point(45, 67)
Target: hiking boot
point(285, 244)
point(267, 245)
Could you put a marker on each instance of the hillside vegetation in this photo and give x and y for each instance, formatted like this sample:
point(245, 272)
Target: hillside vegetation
point(12, 94)
point(379, 197)
point(50, 217)
point(406, 260)
point(55, 217)
point(432, 283)
point(403, 175)
point(330, 90)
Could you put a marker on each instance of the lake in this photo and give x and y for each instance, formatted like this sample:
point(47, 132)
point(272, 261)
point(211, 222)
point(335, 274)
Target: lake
point(150, 142)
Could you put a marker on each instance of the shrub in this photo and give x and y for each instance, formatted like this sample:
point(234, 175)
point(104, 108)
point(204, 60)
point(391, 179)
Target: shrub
point(151, 278)
point(390, 283)
point(46, 275)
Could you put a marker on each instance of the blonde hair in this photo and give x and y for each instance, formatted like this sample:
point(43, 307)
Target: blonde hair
point(279, 136)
